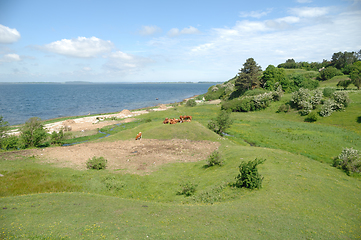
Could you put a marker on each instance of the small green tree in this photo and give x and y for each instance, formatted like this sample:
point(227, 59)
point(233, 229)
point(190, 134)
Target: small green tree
point(33, 132)
point(221, 123)
point(3, 128)
point(249, 176)
point(57, 138)
point(355, 76)
point(344, 83)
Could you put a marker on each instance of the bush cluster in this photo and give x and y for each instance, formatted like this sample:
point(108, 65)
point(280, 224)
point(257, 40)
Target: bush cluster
point(252, 103)
point(338, 101)
point(349, 160)
point(97, 163)
point(249, 176)
point(191, 103)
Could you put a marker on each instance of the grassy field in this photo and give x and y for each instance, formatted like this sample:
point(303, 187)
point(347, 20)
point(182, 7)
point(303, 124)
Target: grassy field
point(303, 196)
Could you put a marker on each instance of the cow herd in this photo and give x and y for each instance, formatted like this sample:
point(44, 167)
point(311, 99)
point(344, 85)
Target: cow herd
point(180, 120)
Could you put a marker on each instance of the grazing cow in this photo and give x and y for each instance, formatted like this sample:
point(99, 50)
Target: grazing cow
point(166, 121)
point(139, 136)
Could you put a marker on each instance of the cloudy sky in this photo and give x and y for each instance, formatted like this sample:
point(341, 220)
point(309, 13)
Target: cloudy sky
point(157, 41)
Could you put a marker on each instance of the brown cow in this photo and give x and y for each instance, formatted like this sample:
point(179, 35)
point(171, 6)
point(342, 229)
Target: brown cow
point(139, 136)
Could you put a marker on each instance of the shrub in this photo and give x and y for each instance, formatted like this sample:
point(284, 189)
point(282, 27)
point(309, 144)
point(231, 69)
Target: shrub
point(284, 108)
point(221, 123)
point(349, 160)
point(327, 108)
point(327, 92)
point(191, 103)
point(344, 83)
point(96, 163)
point(111, 183)
point(249, 176)
point(214, 159)
point(10, 142)
point(57, 138)
point(3, 128)
point(312, 117)
point(33, 133)
point(316, 99)
point(341, 99)
point(328, 73)
point(187, 189)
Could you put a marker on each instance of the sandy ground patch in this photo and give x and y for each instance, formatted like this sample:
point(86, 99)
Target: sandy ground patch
point(139, 157)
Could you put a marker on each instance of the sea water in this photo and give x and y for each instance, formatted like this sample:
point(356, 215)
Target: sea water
point(19, 102)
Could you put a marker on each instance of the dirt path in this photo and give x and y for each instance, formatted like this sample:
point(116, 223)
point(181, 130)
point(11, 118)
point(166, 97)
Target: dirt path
point(139, 157)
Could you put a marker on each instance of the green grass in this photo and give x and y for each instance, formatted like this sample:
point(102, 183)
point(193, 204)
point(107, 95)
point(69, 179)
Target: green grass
point(300, 199)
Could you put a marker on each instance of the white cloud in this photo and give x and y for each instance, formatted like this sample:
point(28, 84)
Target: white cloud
point(11, 57)
point(255, 14)
point(126, 63)
point(310, 12)
point(176, 32)
point(149, 30)
point(306, 41)
point(81, 47)
point(8, 35)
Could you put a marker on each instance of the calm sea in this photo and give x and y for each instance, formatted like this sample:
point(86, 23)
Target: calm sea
point(19, 102)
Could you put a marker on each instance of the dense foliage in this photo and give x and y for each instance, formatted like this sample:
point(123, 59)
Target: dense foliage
point(3, 128)
point(33, 133)
point(248, 176)
point(349, 160)
point(248, 77)
point(221, 123)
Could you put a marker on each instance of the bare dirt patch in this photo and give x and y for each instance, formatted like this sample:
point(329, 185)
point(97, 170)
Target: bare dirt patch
point(140, 157)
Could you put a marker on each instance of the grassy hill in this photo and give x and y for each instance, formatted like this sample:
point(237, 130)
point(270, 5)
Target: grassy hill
point(303, 196)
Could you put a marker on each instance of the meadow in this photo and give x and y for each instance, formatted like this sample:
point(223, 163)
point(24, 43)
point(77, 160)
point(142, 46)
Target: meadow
point(302, 195)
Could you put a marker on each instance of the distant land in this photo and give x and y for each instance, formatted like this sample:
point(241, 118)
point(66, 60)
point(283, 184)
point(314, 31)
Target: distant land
point(83, 82)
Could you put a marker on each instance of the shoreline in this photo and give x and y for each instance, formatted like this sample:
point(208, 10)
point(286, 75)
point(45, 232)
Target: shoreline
point(86, 123)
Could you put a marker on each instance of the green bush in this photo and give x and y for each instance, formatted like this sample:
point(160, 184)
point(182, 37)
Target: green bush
point(10, 142)
point(33, 133)
point(96, 163)
point(341, 99)
point(214, 159)
point(249, 176)
point(187, 189)
point(191, 103)
point(327, 92)
point(57, 138)
point(221, 123)
point(344, 83)
point(312, 117)
point(328, 73)
point(284, 108)
point(327, 108)
point(111, 183)
point(349, 160)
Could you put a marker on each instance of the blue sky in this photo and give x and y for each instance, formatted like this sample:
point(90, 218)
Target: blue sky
point(157, 41)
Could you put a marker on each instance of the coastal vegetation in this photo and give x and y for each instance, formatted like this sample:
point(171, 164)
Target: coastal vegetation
point(287, 168)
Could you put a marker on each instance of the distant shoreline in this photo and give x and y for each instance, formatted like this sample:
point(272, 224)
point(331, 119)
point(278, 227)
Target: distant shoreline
point(85, 83)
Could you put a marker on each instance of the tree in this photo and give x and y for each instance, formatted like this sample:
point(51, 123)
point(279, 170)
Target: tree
point(355, 75)
point(3, 128)
point(340, 60)
point(248, 77)
point(33, 133)
point(271, 76)
point(221, 123)
point(328, 73)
